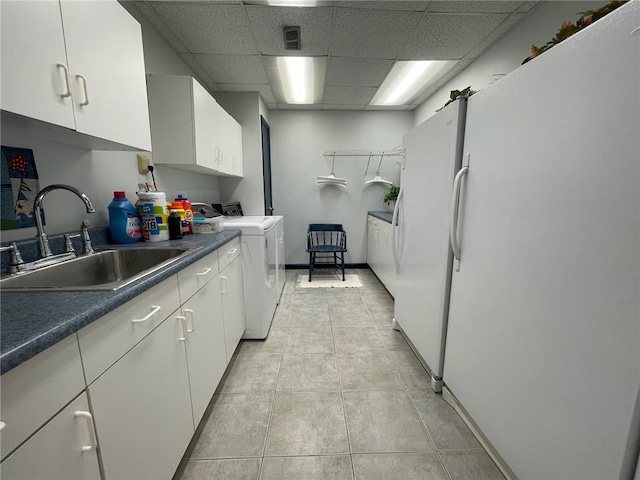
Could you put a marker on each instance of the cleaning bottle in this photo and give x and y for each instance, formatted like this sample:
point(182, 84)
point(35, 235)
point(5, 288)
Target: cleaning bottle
point(124, 223)
point(175, 225)
point(187, 226)
point(177, 207)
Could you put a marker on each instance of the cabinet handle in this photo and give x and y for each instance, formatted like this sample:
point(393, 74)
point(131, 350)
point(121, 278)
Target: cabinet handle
point(226, 285)
point(92, 432)
point(66, 80)
point(2, 425)
point(84, 87)
point(154, 309)
point(231, 252)
point(193, 325)
point(203, 273)
point(184, 328)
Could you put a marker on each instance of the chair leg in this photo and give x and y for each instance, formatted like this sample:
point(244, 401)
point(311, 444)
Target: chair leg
point(342, 265)
point(311, 260)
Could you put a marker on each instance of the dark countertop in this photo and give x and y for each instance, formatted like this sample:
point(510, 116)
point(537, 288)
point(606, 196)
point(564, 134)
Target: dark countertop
point(31, 322)
point(383, 215)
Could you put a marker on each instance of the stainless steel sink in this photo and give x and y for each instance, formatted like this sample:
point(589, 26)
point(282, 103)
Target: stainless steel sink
point(105, 270)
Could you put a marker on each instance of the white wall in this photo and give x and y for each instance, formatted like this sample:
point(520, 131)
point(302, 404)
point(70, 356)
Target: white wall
point(298, 141)
point(508, 52)
point(100, 173)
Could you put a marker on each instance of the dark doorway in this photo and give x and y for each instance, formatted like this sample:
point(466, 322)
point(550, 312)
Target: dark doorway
point(266, 166)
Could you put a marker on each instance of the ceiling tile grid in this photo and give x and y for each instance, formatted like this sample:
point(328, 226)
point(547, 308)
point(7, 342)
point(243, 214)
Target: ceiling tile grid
point(208, 27)
point(372, 33)
point(449, 37)
point(226, 42)
point(315, 29)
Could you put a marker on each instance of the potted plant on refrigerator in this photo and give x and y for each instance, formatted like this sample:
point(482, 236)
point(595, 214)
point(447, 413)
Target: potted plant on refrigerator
point(391, 196)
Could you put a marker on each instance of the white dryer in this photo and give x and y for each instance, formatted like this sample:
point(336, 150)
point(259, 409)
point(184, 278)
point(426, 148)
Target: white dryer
point(259, 240)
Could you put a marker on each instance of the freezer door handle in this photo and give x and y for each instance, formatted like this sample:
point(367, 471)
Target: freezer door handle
point(455, 206)
point(394, 230)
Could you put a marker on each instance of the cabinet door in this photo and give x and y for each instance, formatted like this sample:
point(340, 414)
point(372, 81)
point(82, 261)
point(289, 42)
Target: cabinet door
point(34, 391)
point(206, 353)
point(235, 146)
point(387, 266)
point(142, 407)
point(64, 448)
point(104, 45)
point(32, 47)
point(372, 243)
point(206, 138)
point(232, 305)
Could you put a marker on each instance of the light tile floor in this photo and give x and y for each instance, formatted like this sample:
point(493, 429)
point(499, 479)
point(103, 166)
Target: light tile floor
point(333, 393)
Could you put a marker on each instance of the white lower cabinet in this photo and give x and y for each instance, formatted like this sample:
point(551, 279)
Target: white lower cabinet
point(142, 407)
point(151, 368)
point(380, 253)
point(232, 305)
point(205, 344)
point(65, 448)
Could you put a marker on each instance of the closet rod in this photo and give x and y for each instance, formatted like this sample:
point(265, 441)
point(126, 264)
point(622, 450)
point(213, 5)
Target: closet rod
point(363, 153)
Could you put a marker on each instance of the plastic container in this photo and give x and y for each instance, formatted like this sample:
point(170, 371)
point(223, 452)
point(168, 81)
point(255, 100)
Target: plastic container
point(153, 211)
point(187, 226)
point(175, 225)
point(208, 225)
point(124, 224)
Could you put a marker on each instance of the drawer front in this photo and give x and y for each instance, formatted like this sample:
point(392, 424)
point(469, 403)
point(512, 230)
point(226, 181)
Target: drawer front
point(196, 276)
point(104, 341)
point(65, 448)
point(35, 390)
point(228, 252)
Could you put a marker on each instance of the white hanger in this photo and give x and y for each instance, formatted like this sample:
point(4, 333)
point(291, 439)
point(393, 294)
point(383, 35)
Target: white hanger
point(331, 179)
point(377, 178)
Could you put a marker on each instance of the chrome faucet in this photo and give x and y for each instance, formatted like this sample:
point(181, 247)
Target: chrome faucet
point(43, 242)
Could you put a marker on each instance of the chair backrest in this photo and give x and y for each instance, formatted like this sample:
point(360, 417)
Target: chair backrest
point(326, 234)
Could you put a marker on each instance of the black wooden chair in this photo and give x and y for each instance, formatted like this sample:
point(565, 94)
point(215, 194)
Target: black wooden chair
point(326, 244)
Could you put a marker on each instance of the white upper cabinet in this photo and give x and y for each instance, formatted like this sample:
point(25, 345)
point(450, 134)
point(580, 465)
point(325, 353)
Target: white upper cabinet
point(76, 65)
point(190, 130)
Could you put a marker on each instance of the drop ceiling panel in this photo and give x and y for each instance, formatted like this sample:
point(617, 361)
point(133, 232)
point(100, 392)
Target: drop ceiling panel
point(475, 6)
point(372, 33)
point(264, 90)
point(413, 6)
point(234, 68)
point(449, 37)
point(339, 95)
point(315, 29)
point(208, 27)
point(366, 72)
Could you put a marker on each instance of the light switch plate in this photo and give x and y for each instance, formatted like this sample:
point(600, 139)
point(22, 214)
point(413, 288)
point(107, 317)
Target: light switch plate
point(143, 164)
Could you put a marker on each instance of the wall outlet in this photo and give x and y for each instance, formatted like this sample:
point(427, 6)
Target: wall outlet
point(143, 164)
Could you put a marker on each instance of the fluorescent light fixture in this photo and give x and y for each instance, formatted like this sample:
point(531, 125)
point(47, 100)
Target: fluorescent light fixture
point(297, 80)
point(407, 80)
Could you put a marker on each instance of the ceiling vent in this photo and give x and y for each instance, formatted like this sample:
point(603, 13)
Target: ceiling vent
point(291, 38)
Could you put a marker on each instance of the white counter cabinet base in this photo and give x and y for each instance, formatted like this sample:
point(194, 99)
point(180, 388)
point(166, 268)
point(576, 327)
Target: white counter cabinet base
point(379, 251)
point(142, 407)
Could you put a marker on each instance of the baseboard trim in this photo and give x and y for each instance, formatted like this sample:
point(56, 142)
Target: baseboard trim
point(305, 266)
point(486, 444)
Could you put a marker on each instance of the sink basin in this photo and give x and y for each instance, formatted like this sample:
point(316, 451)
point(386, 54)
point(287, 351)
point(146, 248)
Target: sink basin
point(104, 270)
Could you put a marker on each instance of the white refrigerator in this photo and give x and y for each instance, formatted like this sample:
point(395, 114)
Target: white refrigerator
point(543, 340)
point(423, 258)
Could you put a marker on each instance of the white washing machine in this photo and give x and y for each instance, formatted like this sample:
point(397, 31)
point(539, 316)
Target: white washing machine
point(259, 240)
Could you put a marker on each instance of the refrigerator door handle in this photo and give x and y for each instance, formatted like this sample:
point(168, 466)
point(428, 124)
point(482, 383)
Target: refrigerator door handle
point(394, 230)
point(455, 206)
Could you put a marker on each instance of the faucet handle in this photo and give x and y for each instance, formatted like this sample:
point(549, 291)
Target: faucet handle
point(84, 231)
point(68, 243)
point(17, 264)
